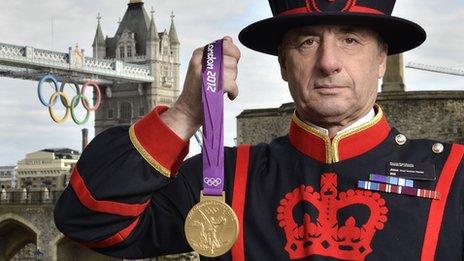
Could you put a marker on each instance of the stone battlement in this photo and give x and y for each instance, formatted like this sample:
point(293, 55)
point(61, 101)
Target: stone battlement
point(29, 197)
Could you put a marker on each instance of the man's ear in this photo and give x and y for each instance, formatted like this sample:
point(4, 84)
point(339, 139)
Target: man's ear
point(282, 59)
point(383, 61)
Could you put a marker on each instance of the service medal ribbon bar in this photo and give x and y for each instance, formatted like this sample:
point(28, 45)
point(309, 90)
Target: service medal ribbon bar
point(391, 180)
point(211, 226)
point(376, 186)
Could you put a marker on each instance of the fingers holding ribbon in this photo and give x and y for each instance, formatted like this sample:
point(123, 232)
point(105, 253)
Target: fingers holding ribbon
point(69, 104)
point(231, 58)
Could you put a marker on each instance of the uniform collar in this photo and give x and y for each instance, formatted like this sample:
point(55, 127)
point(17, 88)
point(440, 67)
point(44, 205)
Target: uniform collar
point(358, 138)
point(366, 118)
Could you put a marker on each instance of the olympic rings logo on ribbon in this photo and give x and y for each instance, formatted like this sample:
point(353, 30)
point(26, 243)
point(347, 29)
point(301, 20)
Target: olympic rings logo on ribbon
point(212, 181)
point(70, 105)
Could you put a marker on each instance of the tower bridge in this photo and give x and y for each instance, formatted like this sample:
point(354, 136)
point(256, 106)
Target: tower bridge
point(137, 69)
point(30, 63)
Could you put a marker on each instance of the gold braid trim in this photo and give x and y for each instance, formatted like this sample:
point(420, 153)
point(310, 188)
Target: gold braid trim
point(336, 140)
point(155, 164)
point(331, 147)
point(317, 133)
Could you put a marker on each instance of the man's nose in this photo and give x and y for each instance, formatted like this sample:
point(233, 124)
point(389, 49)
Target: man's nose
point(329, 61)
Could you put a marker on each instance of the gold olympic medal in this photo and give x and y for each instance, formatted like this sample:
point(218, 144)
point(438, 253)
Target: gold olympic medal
point(211, 227)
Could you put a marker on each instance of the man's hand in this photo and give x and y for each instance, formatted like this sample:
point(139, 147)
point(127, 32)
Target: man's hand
point(186, 115)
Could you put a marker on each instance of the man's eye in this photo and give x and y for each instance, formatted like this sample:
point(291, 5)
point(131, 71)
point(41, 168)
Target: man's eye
point(350, 40)
point(308, 43)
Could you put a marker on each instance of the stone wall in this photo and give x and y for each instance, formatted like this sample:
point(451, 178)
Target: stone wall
point(27, 225)
point(436, 115)
point(263, 125)
point(21, 223)
point(420, 114)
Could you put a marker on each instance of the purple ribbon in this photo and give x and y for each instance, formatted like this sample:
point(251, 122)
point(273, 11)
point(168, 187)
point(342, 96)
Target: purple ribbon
point(213, 119)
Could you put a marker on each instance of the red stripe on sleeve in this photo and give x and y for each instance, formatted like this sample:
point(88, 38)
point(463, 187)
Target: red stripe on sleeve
point(238, 198)
point(114, 239)
point(437, 207)
point(110, 207)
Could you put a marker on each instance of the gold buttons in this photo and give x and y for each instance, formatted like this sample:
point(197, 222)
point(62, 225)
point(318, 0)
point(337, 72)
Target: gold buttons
point(438, 148)
point(400, 139)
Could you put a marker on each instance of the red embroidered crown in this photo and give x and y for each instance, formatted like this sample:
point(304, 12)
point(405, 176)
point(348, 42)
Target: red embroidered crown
point(323, 235)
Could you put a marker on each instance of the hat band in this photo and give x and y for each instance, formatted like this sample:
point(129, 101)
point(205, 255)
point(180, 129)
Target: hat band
point(353, 9)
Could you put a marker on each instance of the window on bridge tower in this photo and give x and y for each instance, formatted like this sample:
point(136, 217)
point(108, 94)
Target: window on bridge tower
point(129, 51)
point(110, 113)
point(121, 52)
point(125, 112)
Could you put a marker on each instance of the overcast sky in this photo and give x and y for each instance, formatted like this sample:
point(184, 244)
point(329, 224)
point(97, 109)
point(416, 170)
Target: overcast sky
point(25, 123)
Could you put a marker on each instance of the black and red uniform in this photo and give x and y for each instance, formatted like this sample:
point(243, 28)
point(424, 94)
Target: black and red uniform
point(296, 198)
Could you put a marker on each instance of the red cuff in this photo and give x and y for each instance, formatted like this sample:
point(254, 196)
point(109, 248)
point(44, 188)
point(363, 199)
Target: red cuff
point(104, 206)
point(158, 144)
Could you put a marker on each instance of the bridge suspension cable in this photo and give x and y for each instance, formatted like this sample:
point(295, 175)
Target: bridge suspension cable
point(435, 68)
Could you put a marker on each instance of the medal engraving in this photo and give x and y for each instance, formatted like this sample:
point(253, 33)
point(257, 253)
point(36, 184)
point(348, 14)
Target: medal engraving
point(211, 228)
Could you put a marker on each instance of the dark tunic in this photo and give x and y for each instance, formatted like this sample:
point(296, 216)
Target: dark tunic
point(131, 191)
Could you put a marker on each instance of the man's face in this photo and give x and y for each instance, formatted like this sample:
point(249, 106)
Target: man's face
point(332, 72)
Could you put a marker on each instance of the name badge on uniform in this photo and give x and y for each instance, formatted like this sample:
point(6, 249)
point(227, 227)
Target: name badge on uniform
point(407, 170)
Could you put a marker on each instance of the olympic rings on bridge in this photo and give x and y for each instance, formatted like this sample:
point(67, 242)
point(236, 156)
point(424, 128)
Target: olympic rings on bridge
point(85, 102)
point(74, 103)
point(69, 104)
point(46, 78)
point(52, 101)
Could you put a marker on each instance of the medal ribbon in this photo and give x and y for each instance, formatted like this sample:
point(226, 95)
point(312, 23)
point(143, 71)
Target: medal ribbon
point(213, 119)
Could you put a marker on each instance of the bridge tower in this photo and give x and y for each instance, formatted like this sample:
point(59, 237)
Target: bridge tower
point(138, 41)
